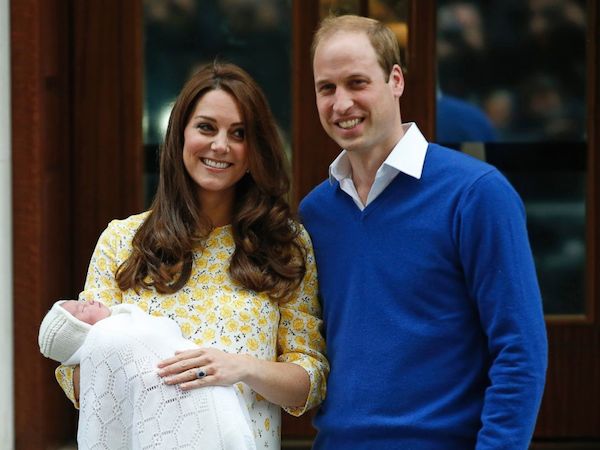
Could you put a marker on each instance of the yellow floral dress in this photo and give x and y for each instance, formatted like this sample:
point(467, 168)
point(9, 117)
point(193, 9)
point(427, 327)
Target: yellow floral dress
point(213, 311)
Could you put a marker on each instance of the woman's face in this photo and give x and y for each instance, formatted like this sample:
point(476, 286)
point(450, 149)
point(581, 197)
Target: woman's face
point(215, 152)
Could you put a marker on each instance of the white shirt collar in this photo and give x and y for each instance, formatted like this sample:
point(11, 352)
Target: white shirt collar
point(407, 156)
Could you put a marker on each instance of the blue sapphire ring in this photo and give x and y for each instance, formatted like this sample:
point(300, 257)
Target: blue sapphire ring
point(200, 373)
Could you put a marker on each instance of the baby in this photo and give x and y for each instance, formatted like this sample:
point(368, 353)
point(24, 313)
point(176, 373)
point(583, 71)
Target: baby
point(124, 404)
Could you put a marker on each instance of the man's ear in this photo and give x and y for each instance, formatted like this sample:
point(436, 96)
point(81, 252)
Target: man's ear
point(396, 80)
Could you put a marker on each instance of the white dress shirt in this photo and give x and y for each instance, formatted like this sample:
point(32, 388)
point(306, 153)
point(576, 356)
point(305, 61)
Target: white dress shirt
point(407, 156)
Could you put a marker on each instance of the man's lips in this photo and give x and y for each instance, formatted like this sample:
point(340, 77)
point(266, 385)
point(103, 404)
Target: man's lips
point(349, 123)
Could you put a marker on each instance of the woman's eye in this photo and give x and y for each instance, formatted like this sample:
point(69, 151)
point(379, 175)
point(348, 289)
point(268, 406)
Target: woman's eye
point(206, 127)
point(239, 134)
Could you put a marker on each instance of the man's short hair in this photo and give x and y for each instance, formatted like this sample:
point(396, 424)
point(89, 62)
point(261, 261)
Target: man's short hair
point(382, 39)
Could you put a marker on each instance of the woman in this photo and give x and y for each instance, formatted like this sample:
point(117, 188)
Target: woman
point(220, 253)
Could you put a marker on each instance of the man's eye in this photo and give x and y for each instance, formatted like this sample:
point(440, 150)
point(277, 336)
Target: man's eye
point(358, 83)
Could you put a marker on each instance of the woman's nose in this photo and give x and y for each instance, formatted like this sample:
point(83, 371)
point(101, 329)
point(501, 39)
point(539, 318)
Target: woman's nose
point(220, 144)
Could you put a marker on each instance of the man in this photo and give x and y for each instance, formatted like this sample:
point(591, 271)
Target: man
point(433, 317)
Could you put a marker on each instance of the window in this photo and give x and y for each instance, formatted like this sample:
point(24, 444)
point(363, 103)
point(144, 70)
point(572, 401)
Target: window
point(511, 91)
point(184, 34)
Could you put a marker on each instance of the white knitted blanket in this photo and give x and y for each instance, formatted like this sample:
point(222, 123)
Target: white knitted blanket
point(125, 405)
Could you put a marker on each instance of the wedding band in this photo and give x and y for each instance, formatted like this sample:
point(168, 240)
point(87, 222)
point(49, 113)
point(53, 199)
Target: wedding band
point(200, 373)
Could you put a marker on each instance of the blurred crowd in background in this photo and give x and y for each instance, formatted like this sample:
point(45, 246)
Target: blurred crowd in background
point(521, 62)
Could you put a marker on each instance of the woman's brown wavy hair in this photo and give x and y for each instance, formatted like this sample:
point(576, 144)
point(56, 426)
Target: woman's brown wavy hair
point(268, 256)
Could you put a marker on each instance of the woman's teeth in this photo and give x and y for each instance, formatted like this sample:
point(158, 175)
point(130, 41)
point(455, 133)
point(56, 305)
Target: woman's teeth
point(215, 164)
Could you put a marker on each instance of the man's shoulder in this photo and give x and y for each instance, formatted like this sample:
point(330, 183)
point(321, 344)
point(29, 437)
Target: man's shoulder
point(466, 175)
point(318, 194)
point(446, 162)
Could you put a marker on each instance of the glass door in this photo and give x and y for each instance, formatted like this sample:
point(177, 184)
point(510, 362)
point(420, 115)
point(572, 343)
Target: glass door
point(518, 87)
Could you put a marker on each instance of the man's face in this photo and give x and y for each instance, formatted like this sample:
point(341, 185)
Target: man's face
point(357, 102)
point(88, 312)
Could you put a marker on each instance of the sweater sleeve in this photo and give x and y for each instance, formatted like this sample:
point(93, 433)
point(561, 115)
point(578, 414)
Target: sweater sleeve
point(501, 278)
point(100, 285)
point(299, 339)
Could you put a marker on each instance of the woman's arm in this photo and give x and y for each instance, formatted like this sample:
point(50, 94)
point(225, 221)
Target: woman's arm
point(100, 285)
point(296, 380)
point(65, 377)
point(284, 384)
point(76, 383)
point(299, 338)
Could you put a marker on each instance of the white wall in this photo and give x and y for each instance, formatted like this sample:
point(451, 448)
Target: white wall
point(6, 279)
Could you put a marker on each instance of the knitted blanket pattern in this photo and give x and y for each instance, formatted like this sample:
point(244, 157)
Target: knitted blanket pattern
point(126, 405)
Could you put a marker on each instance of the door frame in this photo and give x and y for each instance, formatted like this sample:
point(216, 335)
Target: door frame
point(76, 89)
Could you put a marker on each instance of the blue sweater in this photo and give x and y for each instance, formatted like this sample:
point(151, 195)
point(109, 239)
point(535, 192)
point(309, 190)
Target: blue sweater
point(433, 318)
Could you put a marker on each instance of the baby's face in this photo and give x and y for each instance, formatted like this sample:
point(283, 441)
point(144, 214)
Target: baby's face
point(88, 312)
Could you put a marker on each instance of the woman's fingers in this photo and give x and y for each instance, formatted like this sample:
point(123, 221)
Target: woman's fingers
point(179, 367)
point(190, 375)
point(194, 384)
point(202, 367)
point(189, 365)
point(180, 356)
point(199, 378)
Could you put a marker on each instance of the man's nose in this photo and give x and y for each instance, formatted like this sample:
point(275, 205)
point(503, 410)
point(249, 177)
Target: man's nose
point(343, 102)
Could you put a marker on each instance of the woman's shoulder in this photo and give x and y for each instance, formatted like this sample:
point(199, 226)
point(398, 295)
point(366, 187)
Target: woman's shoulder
point(132, 222)
point(301, 233)
point(126, 227)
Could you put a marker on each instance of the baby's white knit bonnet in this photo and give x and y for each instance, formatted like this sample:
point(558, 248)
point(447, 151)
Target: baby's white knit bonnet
point(61, 334)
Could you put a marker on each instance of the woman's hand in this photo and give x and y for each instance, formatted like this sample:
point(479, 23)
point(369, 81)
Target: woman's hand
point(284, 384)
point(216, 368)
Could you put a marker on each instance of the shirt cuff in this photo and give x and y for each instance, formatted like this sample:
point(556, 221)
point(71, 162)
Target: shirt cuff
point(316, 392)
point(64, 376)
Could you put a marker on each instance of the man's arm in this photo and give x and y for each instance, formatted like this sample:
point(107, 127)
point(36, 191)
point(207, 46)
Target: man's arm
point(501, 277)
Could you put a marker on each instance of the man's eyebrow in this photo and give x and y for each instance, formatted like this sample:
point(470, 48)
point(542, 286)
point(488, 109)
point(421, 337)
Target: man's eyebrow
point(345, 77)
point(357, 75)
point(322, 82)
